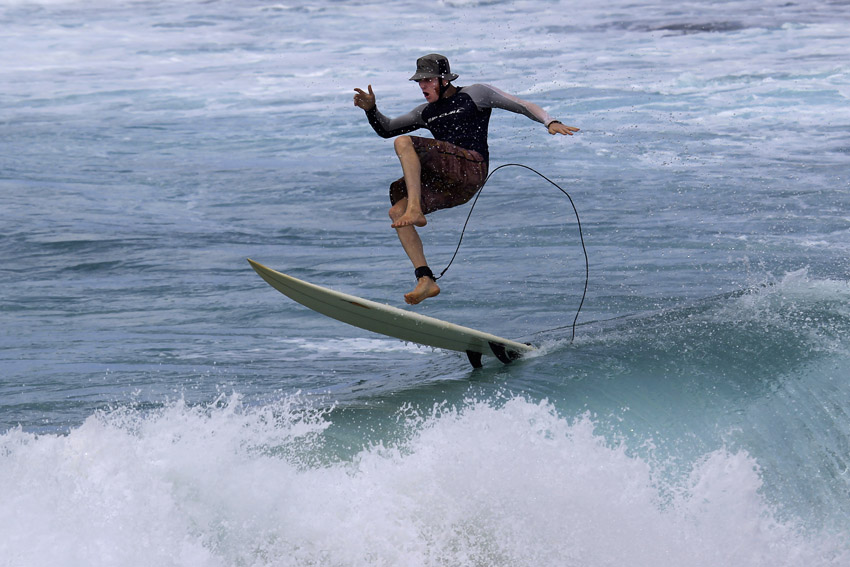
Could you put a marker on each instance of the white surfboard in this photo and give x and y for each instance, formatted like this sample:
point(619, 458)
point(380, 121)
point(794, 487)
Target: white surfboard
point(392, 321)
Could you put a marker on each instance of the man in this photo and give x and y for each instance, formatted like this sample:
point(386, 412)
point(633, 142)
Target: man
point(448, 170)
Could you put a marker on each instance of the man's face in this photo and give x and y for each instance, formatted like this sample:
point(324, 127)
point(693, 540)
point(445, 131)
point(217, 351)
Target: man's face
point(430, 88)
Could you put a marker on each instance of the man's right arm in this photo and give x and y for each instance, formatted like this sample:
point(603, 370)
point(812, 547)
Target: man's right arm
point(388, 127)
point(391, 127)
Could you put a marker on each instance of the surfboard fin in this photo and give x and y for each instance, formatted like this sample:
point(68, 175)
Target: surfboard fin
point(504, 355)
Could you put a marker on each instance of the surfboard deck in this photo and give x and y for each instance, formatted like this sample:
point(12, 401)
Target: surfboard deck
point(392, 321)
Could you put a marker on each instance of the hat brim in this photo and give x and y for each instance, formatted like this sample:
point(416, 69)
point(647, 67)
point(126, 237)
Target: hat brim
point(424, 75)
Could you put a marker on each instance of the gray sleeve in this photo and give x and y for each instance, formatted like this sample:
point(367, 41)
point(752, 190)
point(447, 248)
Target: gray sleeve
point(487, 96)
point(389, 127)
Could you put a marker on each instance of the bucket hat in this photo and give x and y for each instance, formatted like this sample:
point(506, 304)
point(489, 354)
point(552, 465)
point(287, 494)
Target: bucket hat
point(433, 65)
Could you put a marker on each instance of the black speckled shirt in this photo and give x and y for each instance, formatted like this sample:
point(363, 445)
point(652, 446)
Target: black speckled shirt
point(461, 119)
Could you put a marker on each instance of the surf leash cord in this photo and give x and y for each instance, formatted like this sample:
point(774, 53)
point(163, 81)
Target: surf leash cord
point(578, 222)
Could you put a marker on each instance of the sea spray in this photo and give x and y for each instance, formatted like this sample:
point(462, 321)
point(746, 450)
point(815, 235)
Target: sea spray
point(489, 482)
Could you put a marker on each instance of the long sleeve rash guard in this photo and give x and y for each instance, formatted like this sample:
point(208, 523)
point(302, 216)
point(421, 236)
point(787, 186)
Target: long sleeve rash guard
point(461, 119)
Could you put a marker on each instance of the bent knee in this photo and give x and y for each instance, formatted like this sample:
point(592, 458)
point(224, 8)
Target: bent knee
point(402, 143)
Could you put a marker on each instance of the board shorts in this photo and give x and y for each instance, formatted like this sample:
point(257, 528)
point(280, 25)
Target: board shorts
point(451, 175)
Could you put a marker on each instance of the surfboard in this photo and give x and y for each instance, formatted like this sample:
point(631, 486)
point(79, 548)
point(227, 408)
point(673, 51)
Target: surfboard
point(392, 321)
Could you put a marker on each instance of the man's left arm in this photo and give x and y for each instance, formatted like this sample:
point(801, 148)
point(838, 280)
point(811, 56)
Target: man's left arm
point(491, 97)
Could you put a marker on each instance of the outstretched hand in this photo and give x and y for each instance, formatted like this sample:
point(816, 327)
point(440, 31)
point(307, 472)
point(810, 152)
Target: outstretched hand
point(364, 100)
point(563, 129)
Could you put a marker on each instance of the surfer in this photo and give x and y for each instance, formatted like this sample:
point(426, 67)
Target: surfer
point(449, 169)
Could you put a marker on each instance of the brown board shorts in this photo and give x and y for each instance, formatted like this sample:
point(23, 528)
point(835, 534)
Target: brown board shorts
point(450, 175)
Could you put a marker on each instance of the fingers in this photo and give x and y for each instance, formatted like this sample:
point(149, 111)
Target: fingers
point(558, 128)
point(363, 99)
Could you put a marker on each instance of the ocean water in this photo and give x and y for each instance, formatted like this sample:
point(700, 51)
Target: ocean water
point(161, 405)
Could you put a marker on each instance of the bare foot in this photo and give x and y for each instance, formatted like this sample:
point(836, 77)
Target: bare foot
point(410, 218)
point(425, 288)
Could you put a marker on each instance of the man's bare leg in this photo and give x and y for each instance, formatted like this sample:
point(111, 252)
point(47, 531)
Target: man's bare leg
point(412, 244)
point(412, 169)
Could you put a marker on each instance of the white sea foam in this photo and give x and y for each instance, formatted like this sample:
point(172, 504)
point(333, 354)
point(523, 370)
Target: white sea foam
point(488, 484)
point(349, 346)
